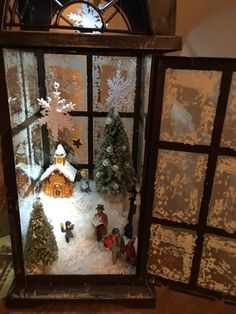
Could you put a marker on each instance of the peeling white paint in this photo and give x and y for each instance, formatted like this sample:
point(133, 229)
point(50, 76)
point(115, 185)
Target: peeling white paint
point(222, 213)
point(229, 130)
point(167, 243)
point(218, 268)
point(178, 185)
point(189, 105)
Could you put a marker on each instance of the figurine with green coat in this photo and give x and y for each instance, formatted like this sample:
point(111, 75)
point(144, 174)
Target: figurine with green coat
point(67, 230)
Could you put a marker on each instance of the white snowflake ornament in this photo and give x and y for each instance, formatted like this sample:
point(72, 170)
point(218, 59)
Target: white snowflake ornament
point(86, 16)
point(55, 113)
point(118, 91)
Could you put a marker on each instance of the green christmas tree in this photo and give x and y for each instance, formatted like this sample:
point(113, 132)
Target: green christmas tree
point(41, 247)
point(114, 172)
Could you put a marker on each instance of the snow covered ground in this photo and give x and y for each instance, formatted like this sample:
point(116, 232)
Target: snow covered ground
point(82, 254)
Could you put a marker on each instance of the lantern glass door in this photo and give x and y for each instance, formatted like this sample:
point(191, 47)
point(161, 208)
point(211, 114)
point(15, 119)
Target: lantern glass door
point(191, 182)
point(78, 124)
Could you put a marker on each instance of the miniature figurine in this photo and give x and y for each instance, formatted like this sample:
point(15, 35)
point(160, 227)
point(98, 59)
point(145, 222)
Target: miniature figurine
point(118, 245)
point(67, 230)
point(130, 251)
point(100, 222)
point(107, 243)
point(84, 187)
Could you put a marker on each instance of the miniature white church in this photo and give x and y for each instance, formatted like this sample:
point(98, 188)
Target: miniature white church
point(58, 179)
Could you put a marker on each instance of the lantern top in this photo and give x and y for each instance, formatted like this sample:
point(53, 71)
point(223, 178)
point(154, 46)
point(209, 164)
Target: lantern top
point(144, 21)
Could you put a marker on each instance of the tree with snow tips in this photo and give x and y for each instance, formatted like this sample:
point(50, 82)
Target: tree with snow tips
point(41, 248)
point(114, 172)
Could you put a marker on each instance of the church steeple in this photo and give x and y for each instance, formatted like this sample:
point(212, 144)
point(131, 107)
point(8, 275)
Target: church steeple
point(60, 155)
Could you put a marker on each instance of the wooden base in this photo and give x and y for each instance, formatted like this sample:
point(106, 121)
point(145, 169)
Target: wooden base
point(129, 295)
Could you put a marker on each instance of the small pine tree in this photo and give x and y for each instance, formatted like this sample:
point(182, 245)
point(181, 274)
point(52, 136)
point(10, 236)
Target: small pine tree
point(114, 172)
point(41, 248)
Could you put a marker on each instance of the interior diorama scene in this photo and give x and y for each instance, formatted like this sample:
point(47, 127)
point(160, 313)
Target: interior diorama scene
point(78, 145)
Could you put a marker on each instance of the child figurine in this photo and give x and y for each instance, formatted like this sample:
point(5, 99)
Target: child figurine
point(118, 245)
point(67, 230)
point(100, 222)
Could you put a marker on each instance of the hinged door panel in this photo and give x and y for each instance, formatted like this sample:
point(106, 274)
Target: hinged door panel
point(190, 180)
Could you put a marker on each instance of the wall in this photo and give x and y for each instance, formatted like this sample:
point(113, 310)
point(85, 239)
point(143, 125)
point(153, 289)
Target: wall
point(207, 27)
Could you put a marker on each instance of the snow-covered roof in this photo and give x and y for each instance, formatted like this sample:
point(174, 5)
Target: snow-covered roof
point(67, 170)
point(60, 151)
point(33, 171)
point(20, 149)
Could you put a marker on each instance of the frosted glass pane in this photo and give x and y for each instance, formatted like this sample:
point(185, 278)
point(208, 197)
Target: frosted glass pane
point(30, 77)
point(147, 63)
point(26, 173)
point(121, 87)
point(22, 85)
point(179, 185)
point(170, 253)
point(189, 105)
point(15, 91)
point(70, 71)
point(21, 147)
point(36, 144)
point(218, 267)
point(74, 141)
point(228, 138)
point(222, 208)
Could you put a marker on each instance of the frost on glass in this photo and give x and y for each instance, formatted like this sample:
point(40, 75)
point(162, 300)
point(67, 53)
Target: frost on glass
point(98, 130)
point(27, 173)
point(114, 77)
point(36, 144)
point(22, 85)
point(147, 63)
point(170, 253)
point(70, 71)
point(179, 185)
point(228, 138)
point(75, 141)
point(189, 106)
point(222, 213)
point(218, 267)
point(30, 77)
point(13, 73)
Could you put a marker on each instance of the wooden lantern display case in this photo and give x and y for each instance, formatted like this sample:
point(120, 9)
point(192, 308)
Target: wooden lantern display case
point(119, 162)
point(76, 93)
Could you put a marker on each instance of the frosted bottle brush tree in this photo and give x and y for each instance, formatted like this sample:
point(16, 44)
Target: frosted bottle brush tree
point(114, 172)
point(41, 248)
